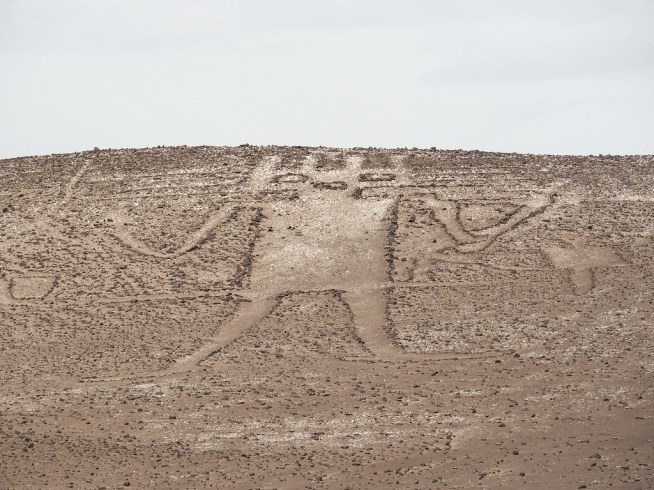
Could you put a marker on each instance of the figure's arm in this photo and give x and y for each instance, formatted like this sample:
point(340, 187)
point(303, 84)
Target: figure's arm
point(5, 296)
point(216, 218)
point(488, 235)
point(447, 212)
point(466, 242)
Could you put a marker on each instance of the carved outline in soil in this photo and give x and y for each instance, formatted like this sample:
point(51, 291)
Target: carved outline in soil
point(119, 220)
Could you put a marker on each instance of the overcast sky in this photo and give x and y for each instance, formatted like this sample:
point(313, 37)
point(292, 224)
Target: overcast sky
point(550, 76)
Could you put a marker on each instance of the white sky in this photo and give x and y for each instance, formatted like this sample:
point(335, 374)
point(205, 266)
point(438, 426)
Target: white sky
point(533, 76)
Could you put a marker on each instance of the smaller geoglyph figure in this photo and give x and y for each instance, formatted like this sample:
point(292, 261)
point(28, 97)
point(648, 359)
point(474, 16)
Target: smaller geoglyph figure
point(581, 259)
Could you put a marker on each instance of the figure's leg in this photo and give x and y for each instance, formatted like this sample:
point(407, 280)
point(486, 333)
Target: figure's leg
point(582, 280)
point(245, 318)
point(5, 294)
point(369, 311)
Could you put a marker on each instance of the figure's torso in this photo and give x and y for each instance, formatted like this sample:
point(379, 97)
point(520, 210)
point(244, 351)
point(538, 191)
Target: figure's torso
point(321, 244)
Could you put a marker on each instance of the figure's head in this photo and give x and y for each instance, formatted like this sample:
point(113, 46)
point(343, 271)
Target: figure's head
point(326, 176)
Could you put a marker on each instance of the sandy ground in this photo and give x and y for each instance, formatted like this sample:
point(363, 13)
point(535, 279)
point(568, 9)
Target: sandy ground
point(315, 318)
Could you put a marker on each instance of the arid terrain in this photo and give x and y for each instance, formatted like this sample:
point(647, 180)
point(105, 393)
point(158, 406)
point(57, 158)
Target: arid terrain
point(290, 317)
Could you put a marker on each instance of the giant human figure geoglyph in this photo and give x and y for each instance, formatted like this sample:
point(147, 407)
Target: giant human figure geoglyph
point(332, 236)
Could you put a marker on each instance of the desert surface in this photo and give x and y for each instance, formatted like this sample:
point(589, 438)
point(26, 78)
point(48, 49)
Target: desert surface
point(291, 317)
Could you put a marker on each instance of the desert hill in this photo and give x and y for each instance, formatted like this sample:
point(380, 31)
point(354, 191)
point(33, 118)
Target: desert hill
point(292, 317)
